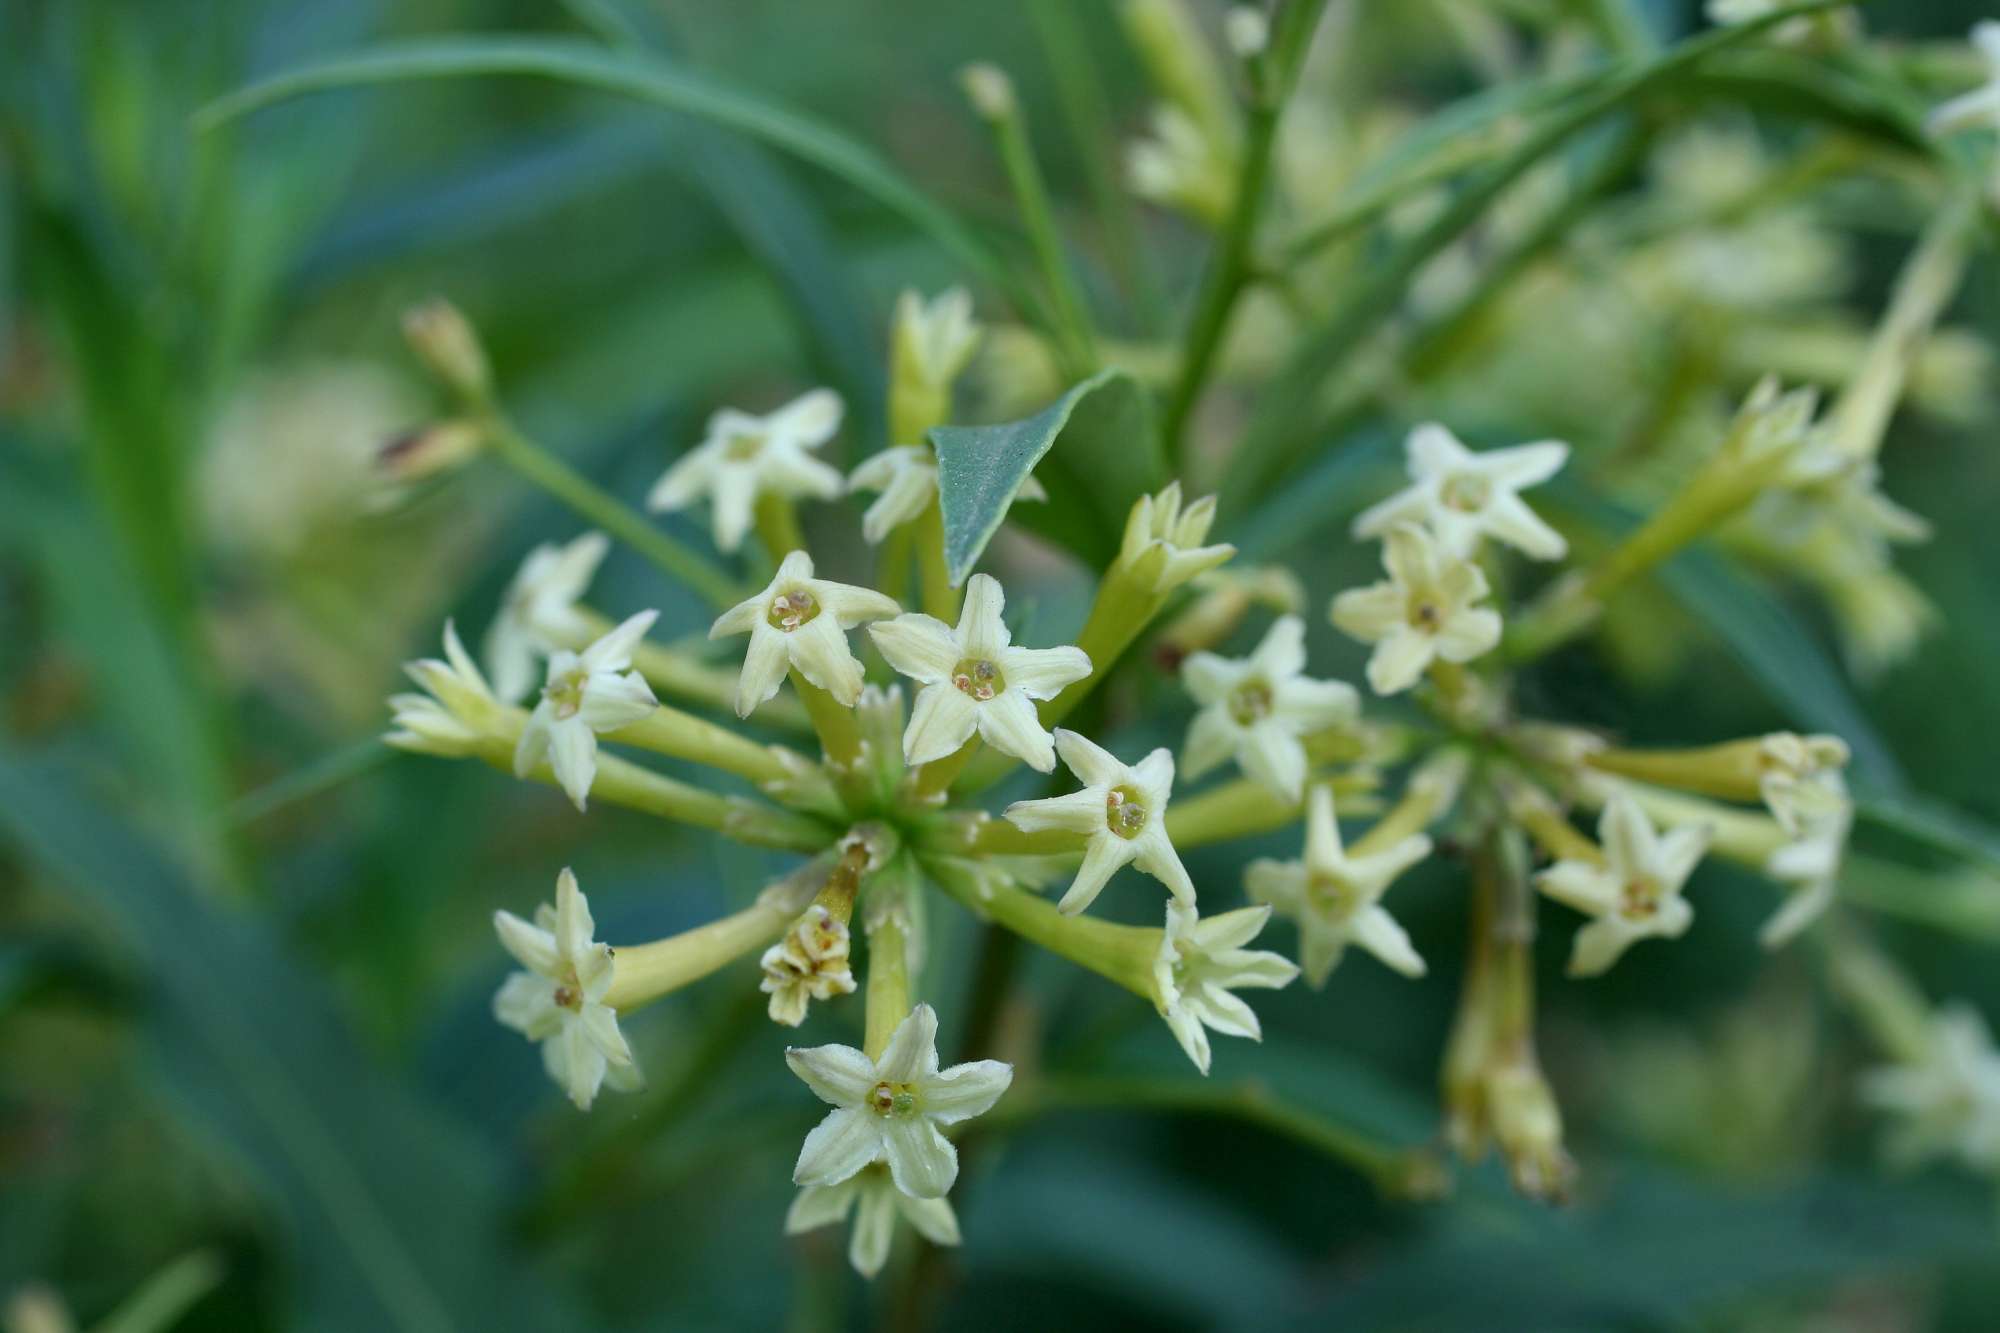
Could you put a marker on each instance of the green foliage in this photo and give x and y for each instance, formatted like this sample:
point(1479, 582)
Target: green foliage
point(1095, 450)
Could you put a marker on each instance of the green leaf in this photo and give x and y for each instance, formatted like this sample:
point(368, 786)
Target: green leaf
point(1934, 824)
point(632, 74)
point(394, 1212)
point(1110, 455)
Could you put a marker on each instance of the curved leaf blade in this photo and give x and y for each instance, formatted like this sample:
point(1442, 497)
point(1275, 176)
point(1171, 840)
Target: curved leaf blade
point(1110, 455)
point(630, 74)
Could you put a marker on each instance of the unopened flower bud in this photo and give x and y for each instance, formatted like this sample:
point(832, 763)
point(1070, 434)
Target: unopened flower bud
point(1527, 1124)
point(444, 341)
point(1247, 31)
point(430, 451)
point(989, 89)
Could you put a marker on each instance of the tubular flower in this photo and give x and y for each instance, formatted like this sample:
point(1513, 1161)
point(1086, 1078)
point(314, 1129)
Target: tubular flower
point(1634, 893)
point(456, 713)
point(1462, 496)
point(1336, 899)
point(889, 1109)
point(540, 606)
point(1201, 964)
point(745, 456)
point(558, 1000)
point(1947, 1103)
point(1121, 812)
point(974, 679)
point(800, 622)
point(1158, 523)
point(1255, 709)
point(586, 693)
point(876, 1203)
point(1425, 610)
point(810, 963)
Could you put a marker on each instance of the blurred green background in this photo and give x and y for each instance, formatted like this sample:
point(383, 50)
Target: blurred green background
point(245, 957)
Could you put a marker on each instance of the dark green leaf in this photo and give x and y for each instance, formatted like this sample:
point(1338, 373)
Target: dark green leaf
point(633, 75)
point(394, 1212)
point(1109, 456)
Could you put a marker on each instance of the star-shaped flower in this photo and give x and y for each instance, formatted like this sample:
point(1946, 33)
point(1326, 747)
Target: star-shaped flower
point(1255, 709)
point(800, 621)
point(876, 1203)
point(1425, 610)
point(586, 693)
point(930, 343)
point(1200, 963)
point(1981, 106)
point(1635, 892)
point(1948, 1103)
point(889, 1109)
point(1336, 898)
point(907, 477)
point(1158, 523)
point(1121, 811)
point(745, 456)
point(1818, 815)
point(559, 1000)
point(810, 963)
point(1463, 496)
point(974, 679)
point(540, 608)
point(457, 712)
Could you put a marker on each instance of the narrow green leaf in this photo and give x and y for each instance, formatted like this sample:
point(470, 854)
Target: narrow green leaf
point(394, 1213)
point(1110, 455)
point(1934, 824)
point(632, 74)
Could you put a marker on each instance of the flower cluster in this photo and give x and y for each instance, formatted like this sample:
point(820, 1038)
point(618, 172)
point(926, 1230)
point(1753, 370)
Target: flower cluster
point(891, 808)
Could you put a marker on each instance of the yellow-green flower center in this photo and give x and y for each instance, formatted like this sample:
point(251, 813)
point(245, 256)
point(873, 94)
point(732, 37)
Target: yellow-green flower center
point(893, 1099)
point(1332, 897)
point(565, 693)
point(1250, 702)
point(791, 610)
point(743, 448)
point(1467, 492)
point(1640, 898)
point(1125, 812)
point(978, 679)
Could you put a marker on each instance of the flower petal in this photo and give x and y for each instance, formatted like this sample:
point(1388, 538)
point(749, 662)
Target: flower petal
point(1274, 757)
point(966, 1090)
point(533, 947)
point(1042, 673)
point(874, 1228)
point(1380, 934)
point(1093, 765)
point(942, 720)
point(839, 1146)
point(1211, 739)
point(932, 1218)
point(1078, 812)
point(911, 1053)
point(1154, 853)
point(764, 667)
point(837, 1075)
point(1010, 726)
point(820, 653)
point(1282, 652)
point(980, 628)
point(819, 1205)
point(1106, 853)
point(1400, 659)
point(921, 1159)
point(918, 646)
point(573, 758)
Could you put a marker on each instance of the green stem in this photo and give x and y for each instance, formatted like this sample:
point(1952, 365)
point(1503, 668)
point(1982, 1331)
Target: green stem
point(1122, 954)
point(940, 599)
point(600, 508)
point(1230, 269)
point(888, 997)
point(684, 736)
point(1925, 287)
point(839, 731)
point(643, 973)
point(1079, 88)
point(778, 526)
point(1396, 1171)
point(1031, 196)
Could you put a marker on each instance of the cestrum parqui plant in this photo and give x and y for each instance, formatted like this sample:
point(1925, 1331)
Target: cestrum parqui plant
point(893, 795)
